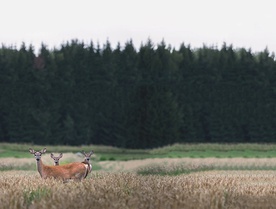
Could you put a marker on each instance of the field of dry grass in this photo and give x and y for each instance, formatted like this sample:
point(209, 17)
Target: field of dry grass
point(228, 183)
point(212, 189)
point(219, 163)
point(133, 165)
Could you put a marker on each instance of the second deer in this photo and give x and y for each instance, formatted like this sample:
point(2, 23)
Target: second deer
point(56, 159)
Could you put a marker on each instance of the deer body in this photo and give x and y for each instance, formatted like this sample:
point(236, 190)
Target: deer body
point(71, 171)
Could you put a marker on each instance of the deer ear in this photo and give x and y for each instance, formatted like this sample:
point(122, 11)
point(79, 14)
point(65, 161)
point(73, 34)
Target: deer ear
point(91, 153)
point(31, 151)
point(83, 152)
point(52, 155)
point(60, 155)
point(43, 151)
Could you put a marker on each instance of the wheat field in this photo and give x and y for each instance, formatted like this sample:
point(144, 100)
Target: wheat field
point(118, 190)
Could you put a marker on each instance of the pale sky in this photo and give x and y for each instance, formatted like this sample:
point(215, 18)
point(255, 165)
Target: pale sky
point(242, 23)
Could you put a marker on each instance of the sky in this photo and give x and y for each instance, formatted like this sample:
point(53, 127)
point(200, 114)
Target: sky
point(242, 23)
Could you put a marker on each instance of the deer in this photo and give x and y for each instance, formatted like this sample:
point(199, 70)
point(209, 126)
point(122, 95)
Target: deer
point(56, 159)
point(87, 161)
point(76, 171)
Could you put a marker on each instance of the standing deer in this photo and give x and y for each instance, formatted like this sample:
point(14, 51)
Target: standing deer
point(87, 160)
point(71, 171)
point(56, 159)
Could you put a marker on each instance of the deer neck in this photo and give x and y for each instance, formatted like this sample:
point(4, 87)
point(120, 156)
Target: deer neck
point(40, 167)
point(90, 167)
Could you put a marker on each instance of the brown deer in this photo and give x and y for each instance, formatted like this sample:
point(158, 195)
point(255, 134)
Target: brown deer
point(72, 171)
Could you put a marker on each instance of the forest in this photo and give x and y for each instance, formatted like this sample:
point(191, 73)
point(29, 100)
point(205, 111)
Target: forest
point(153, 96)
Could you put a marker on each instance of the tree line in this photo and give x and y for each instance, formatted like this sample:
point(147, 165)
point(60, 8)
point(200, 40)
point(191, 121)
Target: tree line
point(136, 98)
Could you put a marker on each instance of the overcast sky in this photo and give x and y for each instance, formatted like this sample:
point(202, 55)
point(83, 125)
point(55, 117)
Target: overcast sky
point(243, 23)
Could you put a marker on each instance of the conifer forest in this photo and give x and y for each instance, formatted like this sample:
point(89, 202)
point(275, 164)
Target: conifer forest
point(128, 97)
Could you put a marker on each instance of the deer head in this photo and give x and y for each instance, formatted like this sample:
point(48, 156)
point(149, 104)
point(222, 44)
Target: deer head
point(56, 159)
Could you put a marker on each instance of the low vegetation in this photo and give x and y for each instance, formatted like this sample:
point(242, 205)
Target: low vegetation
point(186, 166)
point(17, 157)
point(103, 153)
point(177, 176)
point(215, 189)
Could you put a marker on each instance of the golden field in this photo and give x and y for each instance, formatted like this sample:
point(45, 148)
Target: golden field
point(209, 189)
point(185, 182)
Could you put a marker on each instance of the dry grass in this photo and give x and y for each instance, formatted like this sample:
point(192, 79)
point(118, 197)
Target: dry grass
point(214, 189)
point(133, 165)
point(209, 189)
